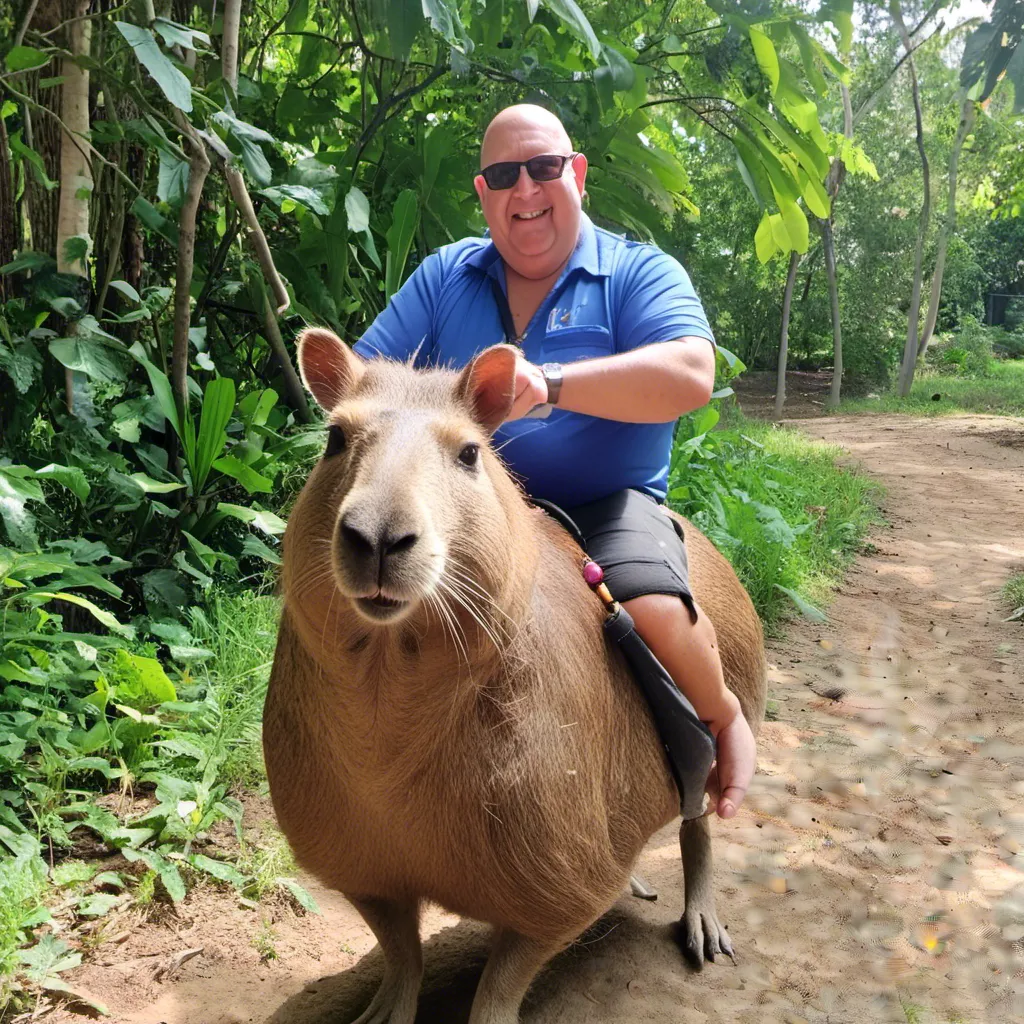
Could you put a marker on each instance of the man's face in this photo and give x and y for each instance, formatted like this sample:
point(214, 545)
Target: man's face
point(534, 224)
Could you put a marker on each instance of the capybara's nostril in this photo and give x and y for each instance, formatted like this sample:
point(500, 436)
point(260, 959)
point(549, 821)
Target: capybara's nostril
point(357, 541)
point(402, 543)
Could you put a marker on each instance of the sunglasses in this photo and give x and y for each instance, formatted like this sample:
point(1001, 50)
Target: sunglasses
point(541, 168)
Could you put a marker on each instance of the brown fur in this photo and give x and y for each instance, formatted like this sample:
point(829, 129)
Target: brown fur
point(511, 772)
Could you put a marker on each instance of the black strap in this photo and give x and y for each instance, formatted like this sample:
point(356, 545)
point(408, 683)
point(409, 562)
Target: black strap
point(563, 518)
point(508, 325)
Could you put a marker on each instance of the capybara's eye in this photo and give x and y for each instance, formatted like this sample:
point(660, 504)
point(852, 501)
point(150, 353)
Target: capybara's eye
point(335, 441)
point(470, 454)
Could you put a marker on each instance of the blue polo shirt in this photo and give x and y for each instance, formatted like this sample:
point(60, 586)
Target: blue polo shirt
point(613, 296)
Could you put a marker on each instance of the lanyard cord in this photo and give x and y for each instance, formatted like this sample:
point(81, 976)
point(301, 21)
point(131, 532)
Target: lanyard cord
point(505, 313)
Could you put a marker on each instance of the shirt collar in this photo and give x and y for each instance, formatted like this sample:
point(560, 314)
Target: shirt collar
point(586, 256)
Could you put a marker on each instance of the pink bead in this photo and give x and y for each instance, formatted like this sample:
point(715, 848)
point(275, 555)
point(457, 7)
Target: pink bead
point(593, 573)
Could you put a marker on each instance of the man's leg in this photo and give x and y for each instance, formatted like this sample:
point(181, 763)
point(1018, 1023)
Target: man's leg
point(689, 652)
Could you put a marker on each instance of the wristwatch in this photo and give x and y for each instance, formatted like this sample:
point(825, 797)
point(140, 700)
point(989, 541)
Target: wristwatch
point(552, 373)
point(553, 376)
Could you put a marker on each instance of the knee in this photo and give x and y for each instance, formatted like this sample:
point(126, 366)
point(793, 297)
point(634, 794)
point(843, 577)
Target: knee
point(667, 615)
point(655, 612)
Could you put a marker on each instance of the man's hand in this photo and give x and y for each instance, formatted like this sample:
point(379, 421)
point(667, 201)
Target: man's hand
point(531, 389)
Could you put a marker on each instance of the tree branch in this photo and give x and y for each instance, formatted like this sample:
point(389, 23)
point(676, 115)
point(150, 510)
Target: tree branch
point(257, 239)
point(869, 104)
point(19, 36)
point(382, 113)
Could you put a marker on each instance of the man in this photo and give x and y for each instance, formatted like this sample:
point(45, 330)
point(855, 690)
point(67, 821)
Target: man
point(615, 345)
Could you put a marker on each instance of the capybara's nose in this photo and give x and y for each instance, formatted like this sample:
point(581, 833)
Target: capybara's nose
point(369, 543)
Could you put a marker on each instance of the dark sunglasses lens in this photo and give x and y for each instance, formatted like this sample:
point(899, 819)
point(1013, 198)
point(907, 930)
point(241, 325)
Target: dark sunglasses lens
point(501, 176)
point(545, 168)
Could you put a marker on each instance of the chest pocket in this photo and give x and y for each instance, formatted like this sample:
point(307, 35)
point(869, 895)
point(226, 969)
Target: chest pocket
point(576, 327)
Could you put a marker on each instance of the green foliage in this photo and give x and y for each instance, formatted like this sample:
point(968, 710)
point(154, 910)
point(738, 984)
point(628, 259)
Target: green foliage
point(772, 501)
point(969, 352)
point(136, 534)
point(1013, 595)
point(935, 394)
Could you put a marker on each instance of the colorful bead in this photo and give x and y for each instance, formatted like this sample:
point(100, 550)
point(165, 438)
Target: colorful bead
point(593, 573)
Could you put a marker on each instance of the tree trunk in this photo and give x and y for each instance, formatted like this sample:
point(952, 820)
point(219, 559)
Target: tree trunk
point(909, 363)
point(829, 251)
point(198, 168)
point(836, 176)
point(75, 167)
point(43, 134)
point(8, 211)
point(966, 123)
point(787, 303)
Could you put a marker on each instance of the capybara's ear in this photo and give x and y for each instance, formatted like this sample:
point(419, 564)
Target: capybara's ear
point(329, 368)
point(488, 386)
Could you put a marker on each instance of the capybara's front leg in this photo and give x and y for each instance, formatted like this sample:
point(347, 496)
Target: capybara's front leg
point(397, 927)
point(702, 933)
point(513, 962)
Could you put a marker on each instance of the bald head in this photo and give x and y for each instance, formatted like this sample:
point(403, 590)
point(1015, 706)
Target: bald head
point(534, 222)
point(524, 120)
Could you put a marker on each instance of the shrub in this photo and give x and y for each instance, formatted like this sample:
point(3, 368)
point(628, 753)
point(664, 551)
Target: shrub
point(969, 352)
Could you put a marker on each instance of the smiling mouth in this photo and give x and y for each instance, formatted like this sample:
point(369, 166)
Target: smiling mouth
point(532, 215)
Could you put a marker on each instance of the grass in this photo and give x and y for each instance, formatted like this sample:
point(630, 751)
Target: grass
point(781, 509)
point(241, 630)
point(1013, 591)
point(22, 884)
point(841, 504)
point(1000, 394)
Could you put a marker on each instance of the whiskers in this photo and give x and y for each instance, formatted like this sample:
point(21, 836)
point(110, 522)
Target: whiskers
point(459, 583)
point(458, 591)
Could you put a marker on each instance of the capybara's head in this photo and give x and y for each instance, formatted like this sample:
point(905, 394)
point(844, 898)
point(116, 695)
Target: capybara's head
point(408, 502)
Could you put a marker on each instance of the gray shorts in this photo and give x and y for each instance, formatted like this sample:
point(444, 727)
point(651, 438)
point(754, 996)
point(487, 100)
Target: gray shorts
point(637, 545)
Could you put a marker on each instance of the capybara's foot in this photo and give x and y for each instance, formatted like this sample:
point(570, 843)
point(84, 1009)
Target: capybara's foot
point(703, 937)
point(396, 925)
point(700, 933)
point(513, 962)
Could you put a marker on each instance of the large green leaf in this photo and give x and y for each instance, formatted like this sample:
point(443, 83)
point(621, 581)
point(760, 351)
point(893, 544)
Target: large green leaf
point(253, 482)
point(24, 58)
point(357, 208)
point(404, 221)
point(840, 13)
point(173, 83)
point(174, 34)
point(767, 59)
point(172, 179)
point(404, 20)
point(161, 388)
point(100, 614)
point(71, 477)
point(445, 20)
point(218, 404)
point(301, 194)
point(264, 520)
point(96, 359)
point(764, 241)
point(570, 13)
point(808, 58)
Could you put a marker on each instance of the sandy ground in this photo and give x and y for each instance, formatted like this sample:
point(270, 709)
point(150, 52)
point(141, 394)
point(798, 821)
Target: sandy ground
point(875, 873)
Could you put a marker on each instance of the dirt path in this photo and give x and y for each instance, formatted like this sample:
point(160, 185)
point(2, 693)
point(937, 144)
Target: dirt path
point(876, 872)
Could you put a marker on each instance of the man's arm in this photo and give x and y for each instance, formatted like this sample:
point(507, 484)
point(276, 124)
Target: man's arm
point(664, 362)
point(654, 384)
